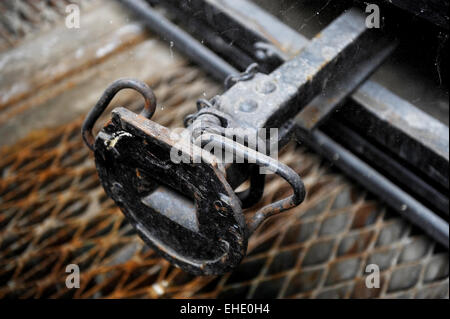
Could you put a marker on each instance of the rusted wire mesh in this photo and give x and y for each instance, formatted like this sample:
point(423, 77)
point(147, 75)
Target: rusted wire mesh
point(53, 212)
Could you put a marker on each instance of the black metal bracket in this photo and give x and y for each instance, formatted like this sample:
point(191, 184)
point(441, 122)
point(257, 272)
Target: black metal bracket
point(186, 211)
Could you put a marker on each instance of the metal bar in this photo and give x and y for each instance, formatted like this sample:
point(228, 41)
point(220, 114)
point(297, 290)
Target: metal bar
point(246, 25)
point(279, 96)
point(396, 170)
point(405, 130)
point(343, 84)
point(181, 40)
point(211, 38)
point(407, 206)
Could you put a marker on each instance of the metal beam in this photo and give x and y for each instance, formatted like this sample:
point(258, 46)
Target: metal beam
point(282, 94)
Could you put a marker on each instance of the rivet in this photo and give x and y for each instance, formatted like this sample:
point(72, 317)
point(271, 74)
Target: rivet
point(248, 106)
point(266, 87)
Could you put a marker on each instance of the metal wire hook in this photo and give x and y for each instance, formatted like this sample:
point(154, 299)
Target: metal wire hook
point(273, 165)
point(108, 95)
point(248, 74)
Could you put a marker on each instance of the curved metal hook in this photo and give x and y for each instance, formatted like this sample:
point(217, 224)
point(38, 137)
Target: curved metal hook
point(248, 74)
point(108, 95)
point(273, 165)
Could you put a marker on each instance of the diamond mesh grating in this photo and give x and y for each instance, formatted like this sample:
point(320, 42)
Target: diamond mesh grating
point(53, 212)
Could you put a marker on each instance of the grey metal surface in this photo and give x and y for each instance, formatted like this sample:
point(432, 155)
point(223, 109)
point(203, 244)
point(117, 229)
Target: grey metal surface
point(342, 85)
point(419, 126)
point(273, 28)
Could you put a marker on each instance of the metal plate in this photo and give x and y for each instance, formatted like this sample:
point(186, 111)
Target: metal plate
point(132, 156)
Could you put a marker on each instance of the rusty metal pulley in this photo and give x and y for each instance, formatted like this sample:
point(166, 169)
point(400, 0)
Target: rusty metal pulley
point(187, 211)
